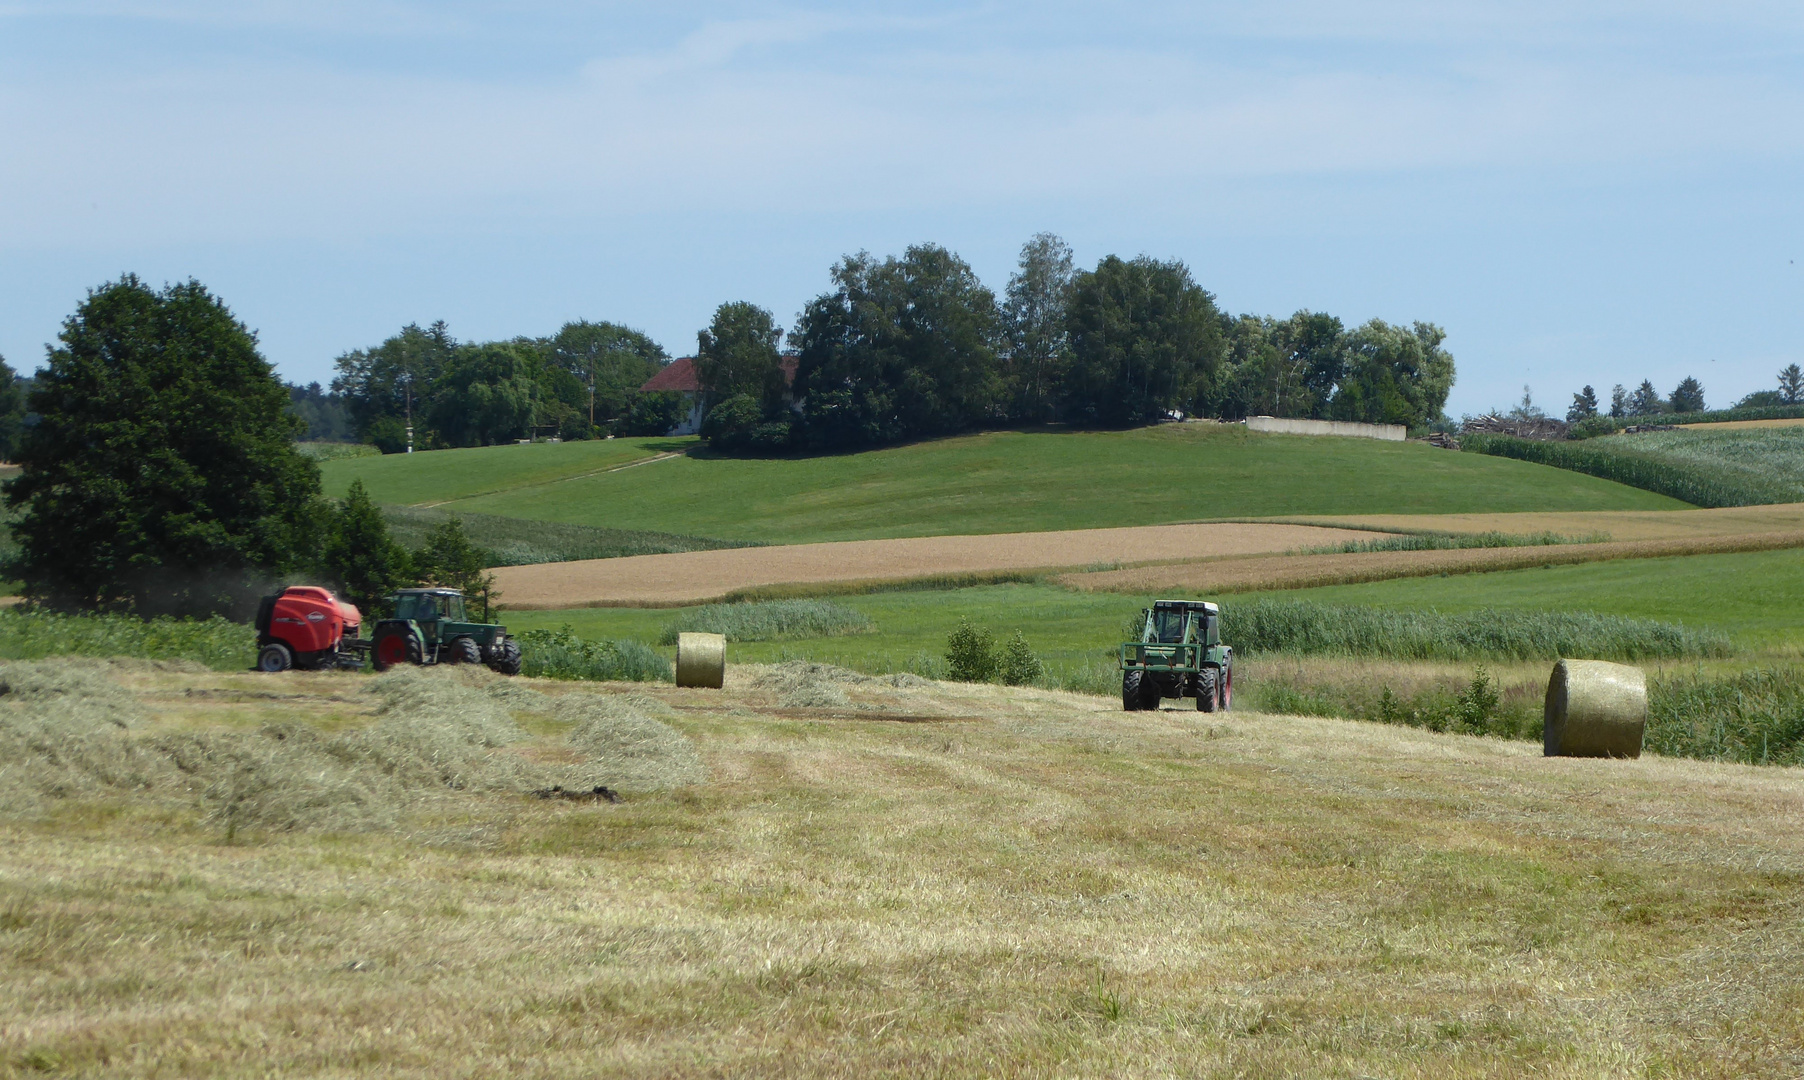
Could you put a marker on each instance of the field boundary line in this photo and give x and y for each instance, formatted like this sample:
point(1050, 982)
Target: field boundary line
point(1260, 573)
point(666, 456)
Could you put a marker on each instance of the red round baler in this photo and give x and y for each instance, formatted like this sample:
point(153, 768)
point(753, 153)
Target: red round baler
point(305, 626)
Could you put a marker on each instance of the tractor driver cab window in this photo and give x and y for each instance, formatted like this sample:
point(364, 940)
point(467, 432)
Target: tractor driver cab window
point(1169, 625)
point(454, 608)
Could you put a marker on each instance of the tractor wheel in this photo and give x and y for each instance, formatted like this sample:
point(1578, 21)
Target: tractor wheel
point(1227, 688)
point(507, 658)
point(1131, 693)
point(275, 657)
point(464, 651)
point(1207, 691)
point(396, 647)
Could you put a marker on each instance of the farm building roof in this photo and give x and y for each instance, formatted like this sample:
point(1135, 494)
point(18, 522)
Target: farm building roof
point(679, 375)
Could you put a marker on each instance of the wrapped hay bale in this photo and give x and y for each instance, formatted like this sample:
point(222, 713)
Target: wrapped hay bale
point(701, 660)
point(1595, 709)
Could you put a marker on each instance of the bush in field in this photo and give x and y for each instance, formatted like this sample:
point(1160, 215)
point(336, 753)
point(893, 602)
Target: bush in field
point(1255, 626)
point(560, 654)
point(33, 634)
point(1019, 666)
point(1752, 716)
point(971, 653)
point(771, 620)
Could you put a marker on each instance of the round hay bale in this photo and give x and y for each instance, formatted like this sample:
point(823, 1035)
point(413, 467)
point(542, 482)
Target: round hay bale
point(1595, 709)
point(701, 660)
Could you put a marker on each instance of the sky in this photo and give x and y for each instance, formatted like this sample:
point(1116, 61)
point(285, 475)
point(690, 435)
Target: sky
point(1577, 192)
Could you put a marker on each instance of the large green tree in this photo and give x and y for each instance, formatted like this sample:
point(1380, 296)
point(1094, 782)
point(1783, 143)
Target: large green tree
point(738, 354)
point(383, 387)
point(901, 348)
point(162, 475)
point(1145, 338)
point(1039, 341)
point(486, 395)
point(609, 361)
point(1394, 375)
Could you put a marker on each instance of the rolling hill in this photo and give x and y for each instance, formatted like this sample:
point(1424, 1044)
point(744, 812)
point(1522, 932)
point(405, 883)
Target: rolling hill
point(1006, 481)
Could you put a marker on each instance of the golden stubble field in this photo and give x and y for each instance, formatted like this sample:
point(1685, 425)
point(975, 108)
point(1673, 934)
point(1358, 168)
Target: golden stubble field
point(930, 879)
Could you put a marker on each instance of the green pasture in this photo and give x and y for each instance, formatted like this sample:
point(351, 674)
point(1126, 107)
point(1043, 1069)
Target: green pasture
point(1755, 597)
point(439, 476)
point(992, 482)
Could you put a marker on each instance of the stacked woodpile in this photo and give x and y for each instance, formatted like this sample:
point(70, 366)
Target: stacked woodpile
point(1444, 439)
point(1545, 428)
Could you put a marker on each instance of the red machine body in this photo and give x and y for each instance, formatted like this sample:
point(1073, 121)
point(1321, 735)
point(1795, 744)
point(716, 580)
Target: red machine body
point(305, 626)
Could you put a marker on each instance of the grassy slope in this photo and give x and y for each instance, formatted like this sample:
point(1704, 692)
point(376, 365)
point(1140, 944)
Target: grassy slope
point(1041, 890)
point(996, 482)
point(453, 474)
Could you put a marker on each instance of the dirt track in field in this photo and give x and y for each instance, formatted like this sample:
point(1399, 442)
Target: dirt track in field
point(697, 576)
point(1309, 571)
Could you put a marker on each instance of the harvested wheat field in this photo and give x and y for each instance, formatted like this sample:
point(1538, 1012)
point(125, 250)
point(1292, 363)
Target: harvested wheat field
point(867, 877)
point(1309, 571)
point(1616, 524)
point(699, 576)
point(1732, 425)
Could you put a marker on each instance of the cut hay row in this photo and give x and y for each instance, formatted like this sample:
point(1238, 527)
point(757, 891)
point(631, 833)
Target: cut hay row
point(1311, 571)
point(703, 576)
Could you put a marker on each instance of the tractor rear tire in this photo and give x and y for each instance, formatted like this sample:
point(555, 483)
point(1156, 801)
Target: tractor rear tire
point(275, 657)
point(464, 651)
point(1207, 692)
point(507, 658)
point(396, 647)
point(1131, 693)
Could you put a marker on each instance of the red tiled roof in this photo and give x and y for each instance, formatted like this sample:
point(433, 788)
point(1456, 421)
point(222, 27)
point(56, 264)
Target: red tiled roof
point(679, 375)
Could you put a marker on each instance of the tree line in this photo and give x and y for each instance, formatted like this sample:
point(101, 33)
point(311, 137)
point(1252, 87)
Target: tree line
point(1687, 397)
point(161, 475)
point(915, 345)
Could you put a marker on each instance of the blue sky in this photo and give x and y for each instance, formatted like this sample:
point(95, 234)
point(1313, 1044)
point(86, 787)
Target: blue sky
point(1577, 192)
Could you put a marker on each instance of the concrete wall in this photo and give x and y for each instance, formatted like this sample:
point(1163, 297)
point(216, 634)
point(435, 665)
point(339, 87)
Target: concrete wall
point(1389, 432)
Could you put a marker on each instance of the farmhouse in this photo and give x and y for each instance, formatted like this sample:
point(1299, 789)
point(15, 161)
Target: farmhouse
point(679, 377)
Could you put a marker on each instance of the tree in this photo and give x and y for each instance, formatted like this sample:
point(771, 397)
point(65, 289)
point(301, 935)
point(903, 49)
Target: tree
point(1145, 338)
point(12, 411)
point(900, 349)
point(1687, 397)
point(360, 555)
point(1394, 376)
point(738, 355)
point(1791, 385)
point(1526, 409)
point(162, 475)
point(323, 416)
point(1645, 401)
point(1761, 399)
point(1039, 343)
point(450, 560)
point(485, 396)
point(390, 386)
point(1584, 406)
point(1619, 401)
point(609, 361)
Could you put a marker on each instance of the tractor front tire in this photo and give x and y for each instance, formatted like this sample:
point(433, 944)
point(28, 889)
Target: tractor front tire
point(1207, 691)
point(506, 658)
point(464, 651)
point(396, 647)
point(1131, 694)
point(275, 657)
point(1227, 688)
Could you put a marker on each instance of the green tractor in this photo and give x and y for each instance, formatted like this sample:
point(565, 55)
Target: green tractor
point(1179, 655)
point(429, 627)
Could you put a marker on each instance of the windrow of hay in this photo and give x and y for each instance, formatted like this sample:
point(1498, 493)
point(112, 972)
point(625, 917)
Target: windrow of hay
point(802, 684)
point(67, 731)
point(1303, 628)
point(770, 620)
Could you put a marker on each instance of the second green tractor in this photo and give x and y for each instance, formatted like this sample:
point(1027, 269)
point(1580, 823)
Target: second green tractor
point(1179, 655)
point(430, 626)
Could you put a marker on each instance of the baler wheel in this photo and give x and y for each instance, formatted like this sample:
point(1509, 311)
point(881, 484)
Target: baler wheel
point(275, 657)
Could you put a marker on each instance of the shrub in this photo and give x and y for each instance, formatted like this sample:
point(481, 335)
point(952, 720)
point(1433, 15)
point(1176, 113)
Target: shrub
point(971, 653)
point(33, 634)
point(1019, 665)
point(560, 654)
point(1752, 716)
point(771, 620)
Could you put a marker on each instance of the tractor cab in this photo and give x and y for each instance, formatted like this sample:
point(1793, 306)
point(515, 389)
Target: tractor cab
point(429, 606)
point(1179, 655)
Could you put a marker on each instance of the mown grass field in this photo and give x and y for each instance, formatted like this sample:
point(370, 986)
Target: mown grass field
point(993, 482)
point(935, 881)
